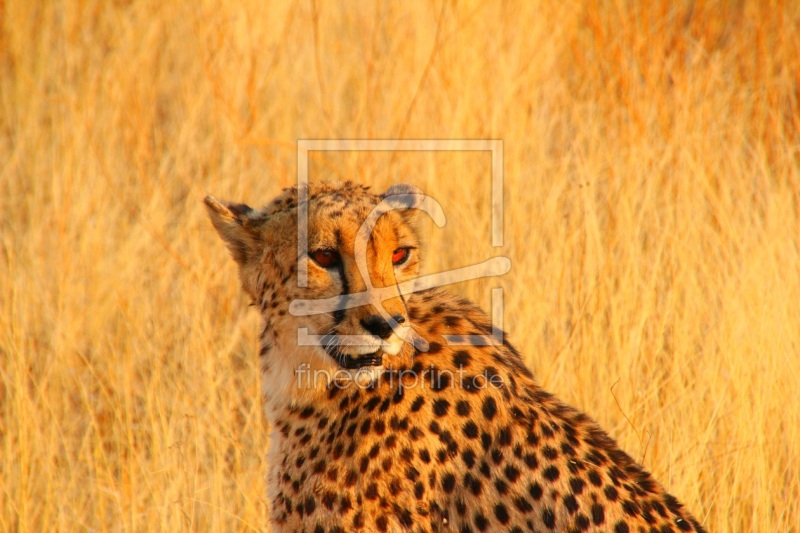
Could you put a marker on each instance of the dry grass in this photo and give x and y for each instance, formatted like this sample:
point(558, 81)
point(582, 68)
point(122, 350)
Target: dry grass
point(652, 171)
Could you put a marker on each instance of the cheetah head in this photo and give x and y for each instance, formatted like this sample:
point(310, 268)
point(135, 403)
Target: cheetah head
point(349, 315)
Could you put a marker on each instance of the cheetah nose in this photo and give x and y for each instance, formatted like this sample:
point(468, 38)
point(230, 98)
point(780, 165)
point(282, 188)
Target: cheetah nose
point(376, 325)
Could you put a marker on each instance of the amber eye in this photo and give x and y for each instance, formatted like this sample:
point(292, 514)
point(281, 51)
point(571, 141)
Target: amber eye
point(325, 258)
point(400, 256)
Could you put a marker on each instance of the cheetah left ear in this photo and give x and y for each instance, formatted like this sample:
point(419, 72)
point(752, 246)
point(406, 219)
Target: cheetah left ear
point(413, 203)
point(234, 223)
point(407, 199)
point(404, 189)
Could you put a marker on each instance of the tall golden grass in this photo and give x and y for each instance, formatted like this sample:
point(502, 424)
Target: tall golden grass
point(652, 182)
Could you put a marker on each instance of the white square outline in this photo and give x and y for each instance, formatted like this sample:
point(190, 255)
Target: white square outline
point(495, 146)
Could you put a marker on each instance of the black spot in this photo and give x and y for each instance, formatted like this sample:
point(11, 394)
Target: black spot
point(512, 473)
point(328, 499)
point(489, 408)
point(576, 484)
point(461, 359)
point(470, 384)
point(501, 486)
point(405, 517)
point(440, 407)
point(621, 527)
point(382, 523)
point(596, 457)
point(582, 522)
point(550, 453)
point(373, 452)
point(470, 430)
point(448, 482)
point(661, 509)
point(683, 525)
point(425, 455)
point(311, 504)
point(672, 503)
point(523, 504)
point(473, 483)
point(463, 408)
point(434, 348)
point(406, 454)
point(481, 522)
point(451, 321)
point(417, 405)
point(631, 508)
point(551, 473)
point(439, 380)
point(372, 492)
point(598, 514)
point(571, 503)
point(461, 507)
point(497, 456)
point(611, 493)
point(531, 461)
point(419, 490)
point(333, 473)
point(535, 490)
point(365, 426)
point(398, 395)
point(372, 403)
point(307, 412)
point(468, 456)
point(385, 405)
point(501, 513)
point(344, 504)
point(595, 478)
point(486, 440)
point(504, 437)
point(549, 518)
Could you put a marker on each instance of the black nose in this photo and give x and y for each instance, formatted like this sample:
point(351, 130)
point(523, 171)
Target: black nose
point(379, 327)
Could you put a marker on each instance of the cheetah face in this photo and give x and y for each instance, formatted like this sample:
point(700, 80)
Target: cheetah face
point(351, 315)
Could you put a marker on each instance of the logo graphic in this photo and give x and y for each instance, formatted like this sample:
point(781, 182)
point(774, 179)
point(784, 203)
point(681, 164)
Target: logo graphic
point(375, 296)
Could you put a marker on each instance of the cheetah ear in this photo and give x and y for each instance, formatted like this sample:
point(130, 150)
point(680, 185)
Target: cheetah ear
point(413, 203)
point(234, 223)
point(398, 189)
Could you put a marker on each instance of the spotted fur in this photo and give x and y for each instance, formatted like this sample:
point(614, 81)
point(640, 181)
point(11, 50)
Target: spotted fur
point(425, 436)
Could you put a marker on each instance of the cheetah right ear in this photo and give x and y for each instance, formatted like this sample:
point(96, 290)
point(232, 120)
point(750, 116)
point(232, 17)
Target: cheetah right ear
point(234, 223)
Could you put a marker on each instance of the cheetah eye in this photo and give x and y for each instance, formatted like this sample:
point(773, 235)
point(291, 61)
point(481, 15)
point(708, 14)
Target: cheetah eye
point(326, 258)
point(400, 256)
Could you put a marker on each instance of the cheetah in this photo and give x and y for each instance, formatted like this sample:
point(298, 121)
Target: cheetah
point(380, 421)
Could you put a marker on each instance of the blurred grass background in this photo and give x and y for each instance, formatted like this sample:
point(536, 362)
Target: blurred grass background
point(652, 174)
